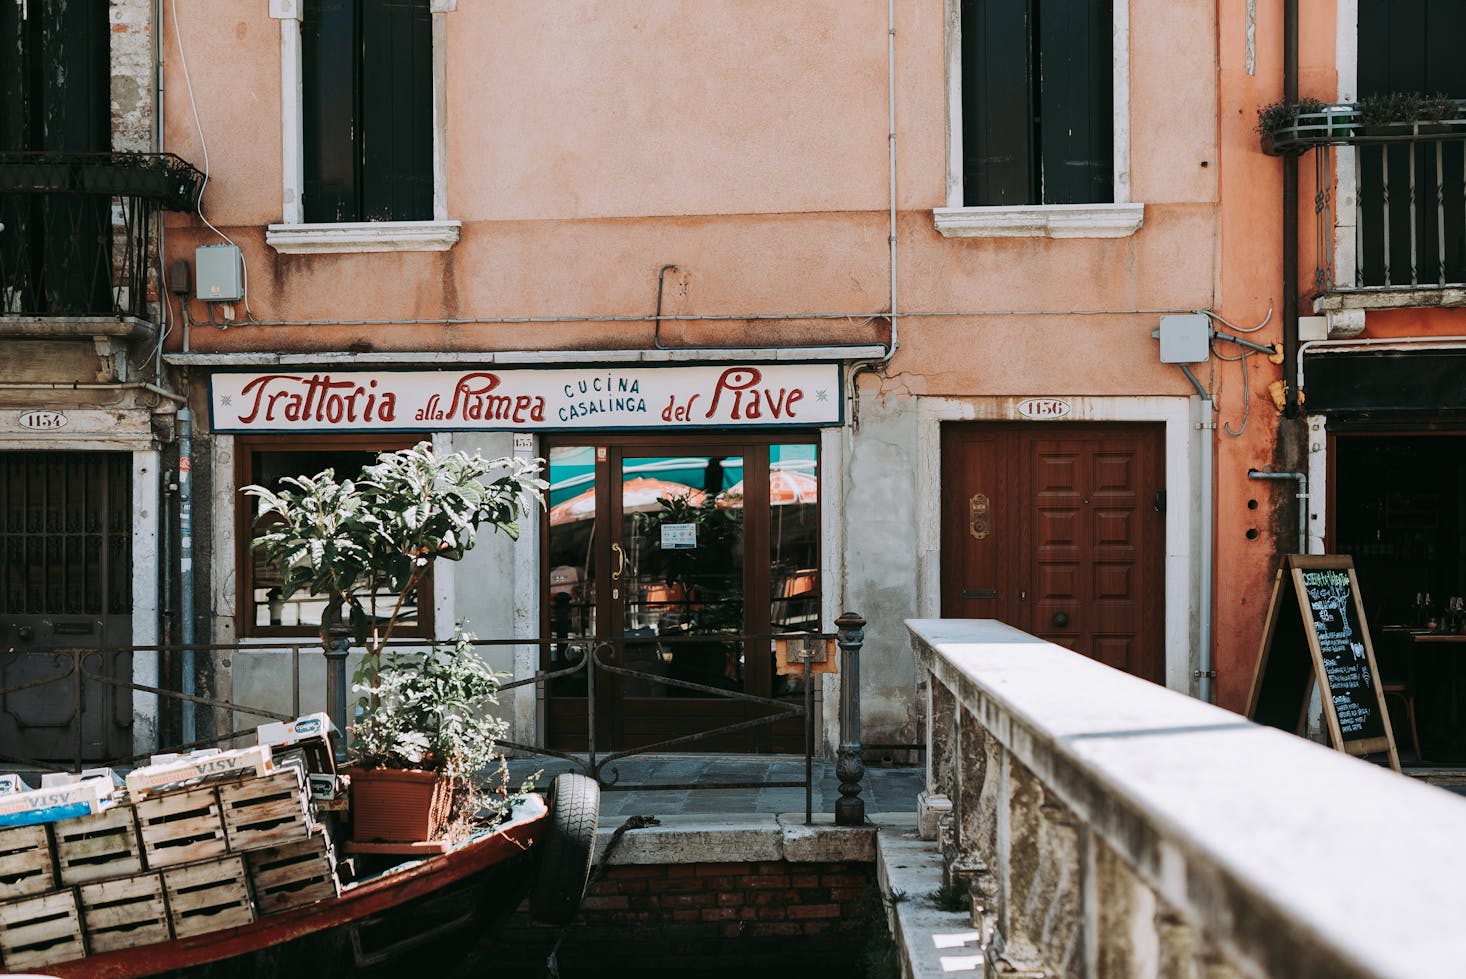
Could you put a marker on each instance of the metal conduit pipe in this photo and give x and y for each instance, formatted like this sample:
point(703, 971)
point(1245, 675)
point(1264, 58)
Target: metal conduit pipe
point(880, 363)
point(99, 386)
point(1302, 481)
point(1205, 673)
point(185, 569)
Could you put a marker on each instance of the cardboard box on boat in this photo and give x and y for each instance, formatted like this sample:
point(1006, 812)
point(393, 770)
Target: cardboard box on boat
point(50, 805)
point(196, 769)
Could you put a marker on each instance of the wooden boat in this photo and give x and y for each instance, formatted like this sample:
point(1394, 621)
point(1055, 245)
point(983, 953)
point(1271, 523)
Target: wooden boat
point(423, 913)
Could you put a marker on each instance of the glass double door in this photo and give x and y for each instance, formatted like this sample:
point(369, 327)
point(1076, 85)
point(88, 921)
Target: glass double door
point(674, 561)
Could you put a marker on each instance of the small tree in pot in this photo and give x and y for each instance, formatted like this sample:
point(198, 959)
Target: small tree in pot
point(370, 542)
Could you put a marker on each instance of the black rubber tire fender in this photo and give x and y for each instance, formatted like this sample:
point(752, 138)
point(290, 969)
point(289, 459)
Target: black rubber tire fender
point(567, 850)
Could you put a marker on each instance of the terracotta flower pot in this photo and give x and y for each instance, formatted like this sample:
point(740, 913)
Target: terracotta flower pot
point(391, 805)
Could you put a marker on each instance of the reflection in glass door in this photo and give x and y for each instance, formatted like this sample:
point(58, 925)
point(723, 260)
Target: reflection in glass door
point(699, 526)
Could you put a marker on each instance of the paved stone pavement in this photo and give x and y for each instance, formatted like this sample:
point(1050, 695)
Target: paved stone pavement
point(884, 790)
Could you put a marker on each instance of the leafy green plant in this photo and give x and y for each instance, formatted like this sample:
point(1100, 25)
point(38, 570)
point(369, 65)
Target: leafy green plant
point(430, 711)
point(1382, 108)
point(1437, 107)
point(356, 540)
point(952, 897)
point(351, 540)
point(1280, 115)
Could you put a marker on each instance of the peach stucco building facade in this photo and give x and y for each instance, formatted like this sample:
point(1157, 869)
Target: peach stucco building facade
point(788, 186)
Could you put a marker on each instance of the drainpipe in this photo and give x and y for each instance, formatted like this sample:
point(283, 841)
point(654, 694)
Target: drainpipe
point(1290, 216)
point(880, 364)
point(185, 568)
point(1204, 671)
point(1302, 481)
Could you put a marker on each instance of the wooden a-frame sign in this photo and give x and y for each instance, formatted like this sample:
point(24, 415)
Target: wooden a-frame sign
point(1316, 633)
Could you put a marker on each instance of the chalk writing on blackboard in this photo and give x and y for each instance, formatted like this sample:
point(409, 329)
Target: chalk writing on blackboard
point(1316, 614)
point(1345, 664)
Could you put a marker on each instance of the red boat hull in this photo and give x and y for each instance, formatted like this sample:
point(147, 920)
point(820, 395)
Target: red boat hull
point(429, 913)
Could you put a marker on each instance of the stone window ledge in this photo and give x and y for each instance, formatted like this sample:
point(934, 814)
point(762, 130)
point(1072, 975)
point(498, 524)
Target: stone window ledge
point(366, 236)
point(1048, 221)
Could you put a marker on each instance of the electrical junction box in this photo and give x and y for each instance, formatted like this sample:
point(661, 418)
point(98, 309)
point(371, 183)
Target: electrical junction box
point(1185, 338)
point(219, 273)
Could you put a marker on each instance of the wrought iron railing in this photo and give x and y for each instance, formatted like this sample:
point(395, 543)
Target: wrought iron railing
point(78, 231)
point(1409, 189)
point(82, 672)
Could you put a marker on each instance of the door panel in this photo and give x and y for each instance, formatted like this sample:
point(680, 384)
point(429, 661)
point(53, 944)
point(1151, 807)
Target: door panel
point(1075, 553)
point(977, 576)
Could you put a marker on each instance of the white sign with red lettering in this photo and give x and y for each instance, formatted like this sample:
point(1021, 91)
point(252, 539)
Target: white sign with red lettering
point(525, 399)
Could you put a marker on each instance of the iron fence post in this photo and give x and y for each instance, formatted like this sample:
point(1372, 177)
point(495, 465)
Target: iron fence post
point(849, 766)
point(336, 650)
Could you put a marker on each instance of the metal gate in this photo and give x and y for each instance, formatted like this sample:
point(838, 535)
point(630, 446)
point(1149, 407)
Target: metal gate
point(65, 583)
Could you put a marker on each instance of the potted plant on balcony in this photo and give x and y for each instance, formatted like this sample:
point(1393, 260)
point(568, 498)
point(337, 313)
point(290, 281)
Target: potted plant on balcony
point(1275, 119)
point(367, 545)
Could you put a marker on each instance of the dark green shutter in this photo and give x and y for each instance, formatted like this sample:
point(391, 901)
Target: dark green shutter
point(1076, 115)
point(397, 101)
point(329, 113)
point(997, 103)
point(368, 113)
point(1037, 102)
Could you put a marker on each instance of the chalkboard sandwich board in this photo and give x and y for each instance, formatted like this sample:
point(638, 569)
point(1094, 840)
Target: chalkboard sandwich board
point(1316, 633)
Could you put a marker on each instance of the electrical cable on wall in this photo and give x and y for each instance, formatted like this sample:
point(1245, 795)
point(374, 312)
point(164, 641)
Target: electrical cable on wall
point(1249, 349)
point(204, 146)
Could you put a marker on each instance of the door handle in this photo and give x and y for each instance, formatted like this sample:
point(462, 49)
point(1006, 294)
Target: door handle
point(1061, 619)
point(979, 508)
point(620, 561)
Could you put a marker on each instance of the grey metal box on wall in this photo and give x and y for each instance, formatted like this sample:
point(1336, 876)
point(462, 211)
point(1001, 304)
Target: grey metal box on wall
point(219, 272)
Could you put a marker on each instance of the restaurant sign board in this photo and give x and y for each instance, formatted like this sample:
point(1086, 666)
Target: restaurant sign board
point(527, 399)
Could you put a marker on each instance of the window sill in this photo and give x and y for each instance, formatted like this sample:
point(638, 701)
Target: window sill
point(365, 236)
point(1050, 221)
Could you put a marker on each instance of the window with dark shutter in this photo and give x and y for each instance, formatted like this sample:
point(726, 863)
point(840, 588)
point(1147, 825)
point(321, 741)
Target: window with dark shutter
point(1037, 102)
point(368, 110)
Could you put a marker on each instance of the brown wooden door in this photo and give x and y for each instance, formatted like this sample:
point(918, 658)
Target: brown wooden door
point(1059, 531)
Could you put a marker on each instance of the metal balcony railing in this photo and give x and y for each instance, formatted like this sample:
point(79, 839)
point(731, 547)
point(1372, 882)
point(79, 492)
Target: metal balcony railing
point(1409, 188)
point(78, 231)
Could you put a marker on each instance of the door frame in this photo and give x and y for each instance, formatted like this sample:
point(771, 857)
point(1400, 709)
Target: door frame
point(1182, 445)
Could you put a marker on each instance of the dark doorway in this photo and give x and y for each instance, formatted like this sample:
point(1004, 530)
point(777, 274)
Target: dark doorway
point(1398, 507)
point(65, 583)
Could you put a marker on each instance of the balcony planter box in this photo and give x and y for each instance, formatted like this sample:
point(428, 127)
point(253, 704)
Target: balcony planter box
point(36, 178)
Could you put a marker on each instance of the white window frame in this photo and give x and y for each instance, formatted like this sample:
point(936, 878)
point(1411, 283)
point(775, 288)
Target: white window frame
point(293, 235)
point(1119, 219)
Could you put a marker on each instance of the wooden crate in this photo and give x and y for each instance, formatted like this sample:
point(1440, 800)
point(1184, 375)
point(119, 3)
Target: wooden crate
point(25, 861)
point(100, 846)
point(266, 811)
point(40, 930)
point(292, 875)
point(181, 827)
point(124, 912)
point(208, 896)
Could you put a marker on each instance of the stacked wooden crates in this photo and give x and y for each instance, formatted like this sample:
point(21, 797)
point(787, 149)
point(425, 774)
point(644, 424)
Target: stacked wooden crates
point(171, 861)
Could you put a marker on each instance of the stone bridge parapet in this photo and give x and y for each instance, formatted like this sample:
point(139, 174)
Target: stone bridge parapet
point(1109, 827)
